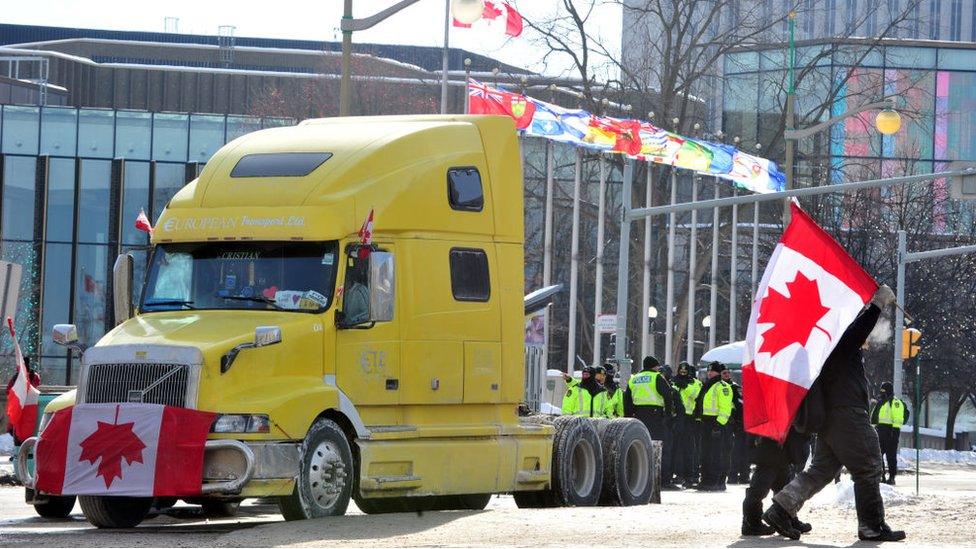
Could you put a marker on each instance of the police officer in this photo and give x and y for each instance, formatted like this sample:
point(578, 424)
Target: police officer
point(714, 406)
point(686, 449)
point(587, 397)
point(889, 414)
point(649, 398)
point(736, 436)
point(615, 396)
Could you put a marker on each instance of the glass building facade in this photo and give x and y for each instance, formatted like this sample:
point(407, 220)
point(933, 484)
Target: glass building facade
point(934, 87)
point(72, 182)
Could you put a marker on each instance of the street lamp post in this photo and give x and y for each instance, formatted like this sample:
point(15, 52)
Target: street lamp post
point(465, 11)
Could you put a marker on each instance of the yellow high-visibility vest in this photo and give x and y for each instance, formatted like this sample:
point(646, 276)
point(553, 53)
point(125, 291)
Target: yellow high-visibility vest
point(643, 389)
point(689, 394)
point(892, 413)
point(718, 402)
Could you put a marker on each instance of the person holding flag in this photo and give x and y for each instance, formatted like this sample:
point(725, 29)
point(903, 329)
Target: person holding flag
point(814, 310)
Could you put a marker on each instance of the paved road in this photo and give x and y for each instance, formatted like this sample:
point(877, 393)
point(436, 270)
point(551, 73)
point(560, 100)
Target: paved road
point(941, 517)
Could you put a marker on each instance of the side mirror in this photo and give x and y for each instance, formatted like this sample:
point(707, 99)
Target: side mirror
point(382, 286)
point(263, 337)
point(122, 288)
point(66, 335)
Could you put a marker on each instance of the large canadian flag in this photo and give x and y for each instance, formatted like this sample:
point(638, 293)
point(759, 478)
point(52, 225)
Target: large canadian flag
point(810, 293)
point(123, 450)
point(22, 396)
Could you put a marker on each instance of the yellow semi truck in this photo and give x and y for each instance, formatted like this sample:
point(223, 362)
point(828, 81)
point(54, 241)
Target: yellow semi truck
point(390, 373)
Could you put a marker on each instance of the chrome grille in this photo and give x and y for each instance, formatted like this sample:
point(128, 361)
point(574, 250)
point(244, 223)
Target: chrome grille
point(162, 383)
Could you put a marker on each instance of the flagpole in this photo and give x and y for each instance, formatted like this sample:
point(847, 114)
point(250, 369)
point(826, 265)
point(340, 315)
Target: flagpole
point(733, 270)
point(647, 338)
point(713, 291)
point(669, 308)
point(692, 267)
point(574, 266)
point(447, 34)
point(598, 297)
point(755, 250)
point(547, 247)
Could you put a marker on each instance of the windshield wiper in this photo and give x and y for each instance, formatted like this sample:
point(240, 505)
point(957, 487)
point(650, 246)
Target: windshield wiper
point(255, 299)
point(183, 302)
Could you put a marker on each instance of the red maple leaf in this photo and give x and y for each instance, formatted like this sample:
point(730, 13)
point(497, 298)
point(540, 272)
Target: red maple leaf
point(794, 318)
point(112, 442)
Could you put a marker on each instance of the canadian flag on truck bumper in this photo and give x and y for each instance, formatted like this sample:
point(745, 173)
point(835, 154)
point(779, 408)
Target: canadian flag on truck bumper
point(123, 450)
point(810, 293)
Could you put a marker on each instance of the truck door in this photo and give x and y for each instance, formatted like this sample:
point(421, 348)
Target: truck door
point(367, 335)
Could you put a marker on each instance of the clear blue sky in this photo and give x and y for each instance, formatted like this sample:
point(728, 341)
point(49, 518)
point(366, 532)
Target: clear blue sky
point(420, 24)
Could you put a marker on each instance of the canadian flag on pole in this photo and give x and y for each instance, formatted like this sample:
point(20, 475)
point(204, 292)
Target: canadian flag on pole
point(142, 222)
point(810, 293)
point(366, 235)
point(491, 13)
point(22, 396)
point(123, 450)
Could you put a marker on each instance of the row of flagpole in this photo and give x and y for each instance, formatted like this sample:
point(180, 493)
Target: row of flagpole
point(647, 333)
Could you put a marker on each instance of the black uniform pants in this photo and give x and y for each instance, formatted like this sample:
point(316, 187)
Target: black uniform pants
point(775, 466)
point(686, 451)
point(847, 440)
point(715, 445)
point(659, 425)
point(888, 438)
point(739, 471)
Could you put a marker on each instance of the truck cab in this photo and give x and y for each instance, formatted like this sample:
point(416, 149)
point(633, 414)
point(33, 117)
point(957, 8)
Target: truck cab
point(388, 369)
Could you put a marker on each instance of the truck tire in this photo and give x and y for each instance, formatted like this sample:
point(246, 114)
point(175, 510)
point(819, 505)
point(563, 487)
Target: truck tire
point(220, 509)
point(577, 463)
point(465, 502)
point(115, 511)
point(545, 499)
point(325, 475)
point(626, 448)
point(55, 507)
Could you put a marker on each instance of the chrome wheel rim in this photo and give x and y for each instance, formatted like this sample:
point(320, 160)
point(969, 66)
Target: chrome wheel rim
point(327, 475)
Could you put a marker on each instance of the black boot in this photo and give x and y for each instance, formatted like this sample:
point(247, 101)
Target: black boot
point(756, 528)
point(779, 519)
point(883, 533)
point(803, 527)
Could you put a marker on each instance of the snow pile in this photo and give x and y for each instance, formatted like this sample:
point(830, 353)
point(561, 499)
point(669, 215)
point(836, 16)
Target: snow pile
point(6, 444)
point(547, 408)
point(906, 456)
point(842, 495)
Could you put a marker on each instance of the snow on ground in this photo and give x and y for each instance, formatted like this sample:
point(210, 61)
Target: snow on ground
point(906, 456)
point(6, 444)
point(841, 495)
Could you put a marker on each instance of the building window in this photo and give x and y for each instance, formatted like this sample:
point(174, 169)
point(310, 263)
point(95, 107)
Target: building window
point(850, 27)
point(808, 18)
point(830, 17)
point(955, 24)
point(469, 275)
point(935, 16)
point(464, 190)
point(916, 20)
point(872, 21)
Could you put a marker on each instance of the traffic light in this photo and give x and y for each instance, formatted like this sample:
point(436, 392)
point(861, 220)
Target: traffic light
point(909, 343)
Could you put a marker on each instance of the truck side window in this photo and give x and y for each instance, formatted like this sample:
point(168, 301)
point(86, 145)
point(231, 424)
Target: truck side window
point(464, 189)
point(355, 300)
point(469, 275)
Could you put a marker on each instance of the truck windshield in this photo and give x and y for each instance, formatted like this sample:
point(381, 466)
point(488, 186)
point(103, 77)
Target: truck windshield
point(286, 276)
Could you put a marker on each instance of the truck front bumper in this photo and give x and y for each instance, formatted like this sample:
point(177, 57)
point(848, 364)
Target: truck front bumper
point(228, 465)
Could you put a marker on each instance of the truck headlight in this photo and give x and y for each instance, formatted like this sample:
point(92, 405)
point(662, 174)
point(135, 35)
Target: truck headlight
point(242, 423)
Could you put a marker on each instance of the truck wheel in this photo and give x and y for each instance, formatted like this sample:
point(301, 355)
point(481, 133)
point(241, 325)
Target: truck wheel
point(115, 511)
point(577, 463)
point(627, 463)
point(220, 509)
point(55, 507)
point(472, 502)
point(548, 498)
point(325, 475)
point(379, 506)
